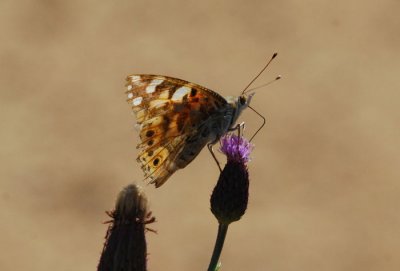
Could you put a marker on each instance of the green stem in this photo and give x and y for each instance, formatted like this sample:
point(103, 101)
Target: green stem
point(219, 243)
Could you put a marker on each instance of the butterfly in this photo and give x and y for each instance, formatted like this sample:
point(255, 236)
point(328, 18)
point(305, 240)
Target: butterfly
point(177, 119)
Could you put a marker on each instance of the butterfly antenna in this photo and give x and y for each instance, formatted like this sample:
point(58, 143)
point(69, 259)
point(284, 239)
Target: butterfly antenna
point(263, 69)
point(262, 125)
point(264, 85)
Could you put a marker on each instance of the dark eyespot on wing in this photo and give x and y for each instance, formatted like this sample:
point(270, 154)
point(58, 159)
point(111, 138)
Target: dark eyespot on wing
point(149, 133)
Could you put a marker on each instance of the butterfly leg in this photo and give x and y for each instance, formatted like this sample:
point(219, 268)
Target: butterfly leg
point(210, 148)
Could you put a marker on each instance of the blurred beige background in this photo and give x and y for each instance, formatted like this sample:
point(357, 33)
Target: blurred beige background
point(325, 189)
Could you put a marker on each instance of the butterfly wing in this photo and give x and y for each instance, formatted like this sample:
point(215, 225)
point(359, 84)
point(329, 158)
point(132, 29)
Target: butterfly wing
point(170, 114)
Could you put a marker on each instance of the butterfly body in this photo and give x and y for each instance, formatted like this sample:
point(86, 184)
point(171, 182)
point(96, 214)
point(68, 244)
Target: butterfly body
point(176, 120)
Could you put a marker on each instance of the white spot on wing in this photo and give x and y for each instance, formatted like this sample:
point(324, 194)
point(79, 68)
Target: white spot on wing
point(179, 93)
point(135, 78)
point(130, 95)
point(129, 87)
point(150, 89)
point(137, 101)
point(157, 81)
point(153, 84)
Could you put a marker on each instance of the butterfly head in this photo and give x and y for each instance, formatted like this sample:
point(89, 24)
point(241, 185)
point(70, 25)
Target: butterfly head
point(239, 104)
point(243, 100)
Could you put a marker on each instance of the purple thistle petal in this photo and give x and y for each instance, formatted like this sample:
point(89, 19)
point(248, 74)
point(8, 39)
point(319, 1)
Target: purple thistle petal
point(236, 148)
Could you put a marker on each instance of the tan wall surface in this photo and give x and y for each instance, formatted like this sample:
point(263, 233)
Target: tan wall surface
point(325, 188)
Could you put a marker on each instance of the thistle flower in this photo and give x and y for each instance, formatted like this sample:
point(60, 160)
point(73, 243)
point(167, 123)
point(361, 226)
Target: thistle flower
point(230, 196)
point(236, 148)
point(125, 247)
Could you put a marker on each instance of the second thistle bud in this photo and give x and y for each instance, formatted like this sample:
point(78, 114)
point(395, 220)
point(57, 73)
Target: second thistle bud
point(125, 248)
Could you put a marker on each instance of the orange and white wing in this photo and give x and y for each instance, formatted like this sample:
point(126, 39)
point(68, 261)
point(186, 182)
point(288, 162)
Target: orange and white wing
point(168, 111)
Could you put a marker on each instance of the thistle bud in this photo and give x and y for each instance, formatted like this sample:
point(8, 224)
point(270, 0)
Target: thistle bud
point(125, 247)
point(230, 196)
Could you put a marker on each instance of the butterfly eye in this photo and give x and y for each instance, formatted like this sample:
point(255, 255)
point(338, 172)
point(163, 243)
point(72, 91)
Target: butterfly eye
point(242, 100)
